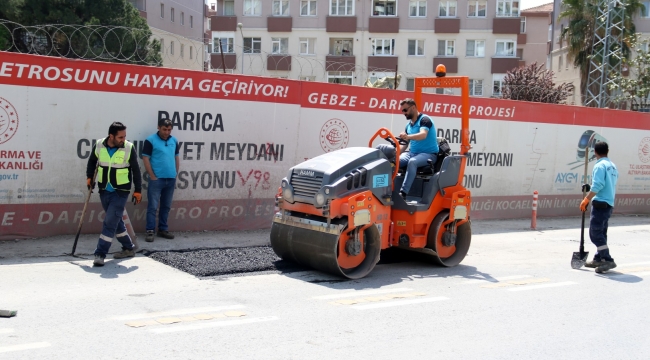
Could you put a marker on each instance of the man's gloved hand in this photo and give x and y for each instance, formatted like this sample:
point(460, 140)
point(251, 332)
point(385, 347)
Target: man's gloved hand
point(586, 188)
point(584, 203)
point(137, 197)
point(89, 184)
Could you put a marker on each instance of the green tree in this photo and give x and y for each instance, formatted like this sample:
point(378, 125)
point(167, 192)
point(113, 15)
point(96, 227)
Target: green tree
point(634, 89)
point(107, 30)
point(579, 33)
point(534, 83)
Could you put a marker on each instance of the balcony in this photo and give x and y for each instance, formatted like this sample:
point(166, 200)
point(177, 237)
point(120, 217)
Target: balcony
point(446, 25)
point(501, 65)
point(223, 23)
point(451, 63)
point(230, 60)
point(382, 63)
point(521, 39)
point(522, 63)
point(384, 24)
point(340, 63)
point(279, 23)
point(506, 25)
point(341, 24)
point(278, 62)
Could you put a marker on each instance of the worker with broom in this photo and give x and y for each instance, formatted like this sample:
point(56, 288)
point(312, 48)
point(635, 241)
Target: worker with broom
point(601, 194)
point(117, 170)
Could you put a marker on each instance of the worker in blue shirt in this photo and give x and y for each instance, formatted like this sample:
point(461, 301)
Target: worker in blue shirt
point(601, 194)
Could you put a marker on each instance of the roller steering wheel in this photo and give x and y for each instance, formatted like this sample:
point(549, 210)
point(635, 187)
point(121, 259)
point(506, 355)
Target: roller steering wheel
point(399, 140)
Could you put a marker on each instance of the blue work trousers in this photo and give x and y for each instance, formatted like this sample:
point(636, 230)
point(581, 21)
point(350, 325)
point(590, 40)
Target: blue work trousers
point(598, 232)
point(159, 192)
point(113, 203)
point(412, 162)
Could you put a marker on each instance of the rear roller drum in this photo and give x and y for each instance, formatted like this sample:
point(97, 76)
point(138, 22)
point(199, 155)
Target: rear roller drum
point(450, 248)
point(346, 254)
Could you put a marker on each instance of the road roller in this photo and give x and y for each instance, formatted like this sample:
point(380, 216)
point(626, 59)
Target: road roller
point(337, 211)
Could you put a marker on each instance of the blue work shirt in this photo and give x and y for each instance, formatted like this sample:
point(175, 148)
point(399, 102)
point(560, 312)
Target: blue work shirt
point(603, 180)
point(162, 155)
point(430, 144)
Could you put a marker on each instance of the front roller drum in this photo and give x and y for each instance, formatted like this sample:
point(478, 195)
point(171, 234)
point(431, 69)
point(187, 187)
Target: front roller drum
point(450, 246)
point(327, 252)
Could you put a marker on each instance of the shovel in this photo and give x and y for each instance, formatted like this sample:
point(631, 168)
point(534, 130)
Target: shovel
point(580, 258)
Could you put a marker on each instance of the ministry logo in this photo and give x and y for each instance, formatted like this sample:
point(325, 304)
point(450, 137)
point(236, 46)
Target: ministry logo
point(334, 135)
point(8, 121)
point(644, 150)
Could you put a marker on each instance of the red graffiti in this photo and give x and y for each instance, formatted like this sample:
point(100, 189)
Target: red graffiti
point(262, 177)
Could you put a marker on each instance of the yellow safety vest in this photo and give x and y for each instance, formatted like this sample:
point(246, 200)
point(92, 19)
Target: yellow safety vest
point(113, 169)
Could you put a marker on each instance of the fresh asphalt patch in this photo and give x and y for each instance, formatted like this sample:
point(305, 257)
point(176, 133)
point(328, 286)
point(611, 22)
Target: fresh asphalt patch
point(244, 260)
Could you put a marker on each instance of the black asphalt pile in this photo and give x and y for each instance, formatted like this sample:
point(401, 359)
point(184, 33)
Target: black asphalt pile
point(224, 261)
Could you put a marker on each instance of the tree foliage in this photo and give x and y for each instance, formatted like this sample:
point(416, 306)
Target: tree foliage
point(108, 30)
point(579, 33)
point(534, 83)
point(634, 88)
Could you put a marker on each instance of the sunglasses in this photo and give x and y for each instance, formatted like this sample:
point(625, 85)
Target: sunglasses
point(407, 109)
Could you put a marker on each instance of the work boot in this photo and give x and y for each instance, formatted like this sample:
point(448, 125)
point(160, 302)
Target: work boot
point(606, 265)
point(149, 237)
point(594, 263)
point(402, 194)
point(165, 234)
point(99, 261)
point(126, 253)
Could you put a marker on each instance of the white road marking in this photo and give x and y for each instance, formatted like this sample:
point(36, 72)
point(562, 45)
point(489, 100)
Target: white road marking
point(176, 312)
point(29, 346)
point(533, 287)
point(501, 278)
point(398, 303)
point(6, 331)
point(360, 293)
point(207, 325)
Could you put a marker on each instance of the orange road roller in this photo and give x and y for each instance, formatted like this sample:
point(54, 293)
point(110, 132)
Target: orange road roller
point(337, 211)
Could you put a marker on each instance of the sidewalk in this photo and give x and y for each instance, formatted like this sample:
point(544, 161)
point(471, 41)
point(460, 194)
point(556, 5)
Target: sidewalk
point(60, 246)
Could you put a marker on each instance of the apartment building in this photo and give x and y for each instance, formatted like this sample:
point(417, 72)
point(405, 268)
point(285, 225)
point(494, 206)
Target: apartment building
point(352, 41)
point(559, 62)
point(532, 42)
point(179, 25)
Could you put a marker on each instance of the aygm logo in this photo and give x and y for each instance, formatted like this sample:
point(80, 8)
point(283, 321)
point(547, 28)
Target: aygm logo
point(8, 120)
point(644, 150)
point(334, 135)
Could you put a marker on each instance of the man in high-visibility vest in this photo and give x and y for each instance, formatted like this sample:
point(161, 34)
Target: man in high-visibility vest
point(117, 169)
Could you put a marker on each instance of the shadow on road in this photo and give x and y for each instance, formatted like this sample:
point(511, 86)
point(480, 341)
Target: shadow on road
point(620, 277)
point(112, 269)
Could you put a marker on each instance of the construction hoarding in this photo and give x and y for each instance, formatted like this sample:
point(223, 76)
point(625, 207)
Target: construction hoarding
point(239, 136)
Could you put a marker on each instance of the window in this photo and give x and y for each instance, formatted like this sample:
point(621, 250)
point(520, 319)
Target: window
point(339, 77)
point(475, 87)
point(476, 8)
point(162, 11)
point(227, 45)
point(252, 7)
point(383, 47)
point(162, 46)
point(307, 78)
point(520, 53)
point(191, 52)
point(446, 47)
point(182, 18)
point(308, 8)
point(507, 8)
point(252, 45)
point(384, 8)
point(171, 15)
point(497, 84)
point(645, 12)
point(307, 46)
point(213, 6)
point(209, 24)
point(341, 47)
point(221, 70)
point(506, 48)
point(475, 48)
point(559, 64)
point(410, 84)
point(279, 45)
point(191, 21)
point(341, 7)
point(171, 48)
point(416, 47)
point(229, 7)
point(447, 9)
point(522, 30)
point(566, 62)
point(418, 8)
point(444, 91)
point(182, 50)
point(280, 7)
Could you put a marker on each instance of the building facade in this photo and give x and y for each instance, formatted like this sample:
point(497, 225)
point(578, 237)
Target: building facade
point(179, 26)
point(355, 41)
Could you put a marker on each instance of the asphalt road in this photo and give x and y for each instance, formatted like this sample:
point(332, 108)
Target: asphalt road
point(515, 296)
